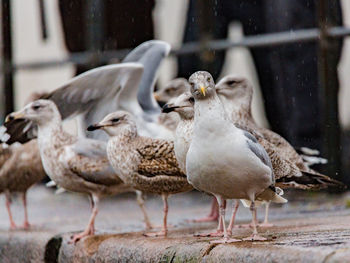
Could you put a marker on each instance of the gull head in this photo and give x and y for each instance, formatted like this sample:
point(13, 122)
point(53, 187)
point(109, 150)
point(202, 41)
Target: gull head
point(202, 85)
point(114, 123)
point(183, 105)
point(172, 89)
point(236, 88)
point(39, 111)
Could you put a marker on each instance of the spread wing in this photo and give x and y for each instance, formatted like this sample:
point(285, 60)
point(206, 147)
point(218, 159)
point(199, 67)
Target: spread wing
point(157, 157)
point(92, 95)
point(150, 54)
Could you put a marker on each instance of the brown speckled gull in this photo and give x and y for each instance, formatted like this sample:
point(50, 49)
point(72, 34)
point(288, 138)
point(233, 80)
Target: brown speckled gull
point(20, 168)
point(236, 94)
point(73, 163)
point(291, 171)
point(147, 164)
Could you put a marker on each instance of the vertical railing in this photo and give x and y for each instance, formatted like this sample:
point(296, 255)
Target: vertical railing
point(7, 62)
point(327, 72)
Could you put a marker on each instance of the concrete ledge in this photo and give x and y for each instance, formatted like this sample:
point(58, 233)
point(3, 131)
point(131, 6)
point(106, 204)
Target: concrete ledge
point(316, 230)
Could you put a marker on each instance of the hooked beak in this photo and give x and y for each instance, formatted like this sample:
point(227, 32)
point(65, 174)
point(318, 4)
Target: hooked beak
point(14, 116)
point(94, 127)
point(168, 108)
point(203, 90)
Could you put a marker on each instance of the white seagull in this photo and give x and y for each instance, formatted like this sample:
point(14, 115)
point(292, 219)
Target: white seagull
point(224, 160)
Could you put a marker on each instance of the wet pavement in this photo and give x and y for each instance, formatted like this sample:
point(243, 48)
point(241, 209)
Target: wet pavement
point(312, 227)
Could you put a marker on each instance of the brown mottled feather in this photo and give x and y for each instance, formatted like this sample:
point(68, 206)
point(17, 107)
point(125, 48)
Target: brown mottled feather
point(22, 169)
point(147, 164)
point(157, 158)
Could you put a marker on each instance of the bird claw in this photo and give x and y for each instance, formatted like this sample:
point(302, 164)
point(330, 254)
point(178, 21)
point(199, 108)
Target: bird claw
point(26, 225)
point(162, 233)
point(76, 237)
point(255, 237)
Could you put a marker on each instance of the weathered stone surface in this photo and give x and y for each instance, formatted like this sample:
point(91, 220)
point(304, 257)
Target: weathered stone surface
point(22, 246)
point(316, 230)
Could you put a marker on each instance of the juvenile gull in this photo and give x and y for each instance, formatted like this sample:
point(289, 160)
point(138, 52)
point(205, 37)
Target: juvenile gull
point(224, 160)
point(291, 170)
point(20, 168)
point(147, 164)
point(172, 89)
point(73, 163)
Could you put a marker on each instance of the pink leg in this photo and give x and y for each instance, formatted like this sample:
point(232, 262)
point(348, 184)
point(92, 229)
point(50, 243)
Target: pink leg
point(26, 224)
point(255, 236)
point(222, 206)
point(164, 231)
point(266, 220)
point(220, 229)
point(90, 229)
point(214, 213)
point(233, 217)
point(8, 206)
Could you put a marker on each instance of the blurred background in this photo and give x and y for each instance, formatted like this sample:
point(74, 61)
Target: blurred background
point(300, 75)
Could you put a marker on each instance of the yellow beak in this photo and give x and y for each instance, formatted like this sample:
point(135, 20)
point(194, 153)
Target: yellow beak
point(203, 90)
point(156, 96)
point(14, 116)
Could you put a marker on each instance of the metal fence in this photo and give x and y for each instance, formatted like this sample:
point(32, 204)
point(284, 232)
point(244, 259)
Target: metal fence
point(324, 34)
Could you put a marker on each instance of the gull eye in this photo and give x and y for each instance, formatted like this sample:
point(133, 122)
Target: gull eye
point(231, 82)
point(191, 100)
point(36, 107)
point(208, 79)
point(115, 120)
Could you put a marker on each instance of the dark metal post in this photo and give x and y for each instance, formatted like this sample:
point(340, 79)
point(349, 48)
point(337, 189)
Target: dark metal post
point(94, 28)
point(43, 23)
point(7, 62)
point(206, 24)
point(327, 72)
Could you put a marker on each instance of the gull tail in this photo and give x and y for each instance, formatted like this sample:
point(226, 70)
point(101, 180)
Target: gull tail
point(311, 180)
point(320, 181)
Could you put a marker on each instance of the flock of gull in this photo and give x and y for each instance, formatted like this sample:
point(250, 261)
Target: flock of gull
point(204, 137)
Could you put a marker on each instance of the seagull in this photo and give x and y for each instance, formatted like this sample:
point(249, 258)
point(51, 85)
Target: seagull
point(291, 170)
point(172, 89)
point(20, 168)
point(74, 163)
point(224, 160)
point(146, 164)
point(92, 95)
point(183, 105)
